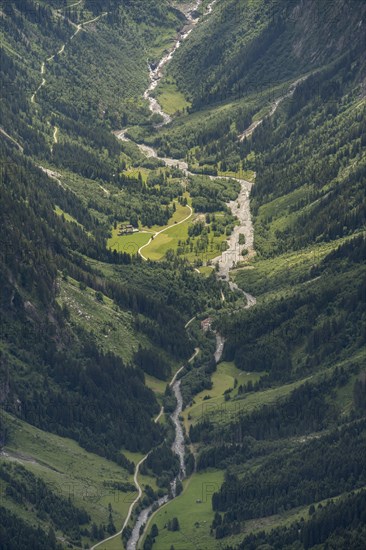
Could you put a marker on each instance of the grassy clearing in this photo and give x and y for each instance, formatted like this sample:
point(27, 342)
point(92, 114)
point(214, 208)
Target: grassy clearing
point(112, 327)
point(163, 41)
point(172, 237)
point(159, 386)
point(194, 513)
point(223, 412)
point(114, 544)
point(170, 98)
point(206, 270)
point(283, 271)
point(146, 480)
point(134, 173)
point(133, 242)
point(248, 175)
point(180, 213)
point(174, 231)
point(133, 457)
point(67, 216)
point(128, 243)
point(69, 470)
point(165, 241)
point(222, 379)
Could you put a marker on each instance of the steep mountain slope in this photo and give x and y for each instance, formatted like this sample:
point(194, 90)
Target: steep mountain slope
point(249, 46)
point(303, 346)
point(57, 374)
point(87, 327)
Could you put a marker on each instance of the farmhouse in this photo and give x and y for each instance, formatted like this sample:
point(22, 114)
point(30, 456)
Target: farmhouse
point(127, 229)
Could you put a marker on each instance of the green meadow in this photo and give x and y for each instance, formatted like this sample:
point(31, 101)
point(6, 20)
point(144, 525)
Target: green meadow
point(68, 217)
point(194, 512)
point(212, 401)
point(128, 243)
point(170, 98)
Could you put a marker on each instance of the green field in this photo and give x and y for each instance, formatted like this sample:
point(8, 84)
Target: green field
point(169, 240)
point(134, 172)
point(248, 175)
point(170, 98)
point(194, 513)
point(181, 212)
point(206, 270)
point(128, 243)
point(159, 386)
point(223, 379)
point(114, 544)
point(165, 241)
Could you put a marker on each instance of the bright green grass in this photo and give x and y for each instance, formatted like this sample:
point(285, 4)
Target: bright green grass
point(114, 544)
point(222, 379)
point(169, 238)
point(146, 480)
point(134, 172)
point(223, 412)
point(248, 175)
point(165, 241)
point(283, 271)
point(181, 212)
point(128, 243)
point(163, 41)
point(159, 386)
point(194, 517)
point(206, 270)
point(133, 457)
point(69, 470)
point(170, 98)
point(67, 216)
point(112, 327)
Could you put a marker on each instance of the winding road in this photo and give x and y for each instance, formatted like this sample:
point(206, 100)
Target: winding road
point(162, 231)
point(145, 512)
point(240, 208)
point(139, 493)
point(78, 27)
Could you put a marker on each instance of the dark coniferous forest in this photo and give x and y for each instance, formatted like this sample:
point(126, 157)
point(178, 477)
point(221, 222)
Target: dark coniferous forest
point(182, 274)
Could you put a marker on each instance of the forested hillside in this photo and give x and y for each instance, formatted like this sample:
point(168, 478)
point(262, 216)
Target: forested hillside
point(248, 46)
point(278, 435)
point(109, 282)
point(70, 75)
